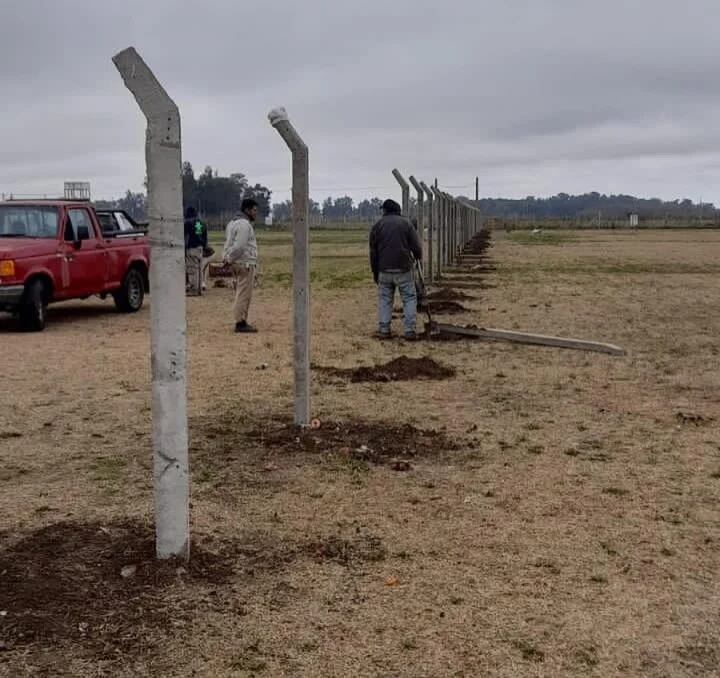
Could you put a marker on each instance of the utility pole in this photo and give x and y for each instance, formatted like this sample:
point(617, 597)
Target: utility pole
point(477, 189)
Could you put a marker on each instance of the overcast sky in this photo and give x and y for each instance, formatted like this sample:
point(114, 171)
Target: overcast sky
point(534, 96)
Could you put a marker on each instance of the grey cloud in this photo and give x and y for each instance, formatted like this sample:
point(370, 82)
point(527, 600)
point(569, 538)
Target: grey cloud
point(535, 97)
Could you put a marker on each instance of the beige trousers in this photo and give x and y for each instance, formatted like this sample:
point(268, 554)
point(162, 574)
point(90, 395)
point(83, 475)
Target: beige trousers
point(193, 274)
point(244, 276)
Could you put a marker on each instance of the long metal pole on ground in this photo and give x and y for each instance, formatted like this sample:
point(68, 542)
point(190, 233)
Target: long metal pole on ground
point(431, 228)
point(405, 187)
point(168, 317)
point(421, 221)
point(301, 261)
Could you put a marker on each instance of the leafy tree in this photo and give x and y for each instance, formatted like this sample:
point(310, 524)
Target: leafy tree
point(343, 207)
point(261, 195)
point(328, 209)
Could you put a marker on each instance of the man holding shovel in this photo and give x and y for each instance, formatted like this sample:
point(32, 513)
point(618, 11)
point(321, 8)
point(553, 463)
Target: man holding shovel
point(394, 249)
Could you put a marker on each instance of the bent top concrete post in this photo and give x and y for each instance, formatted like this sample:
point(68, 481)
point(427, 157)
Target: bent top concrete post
point(405, 192)
point(421, 221)
point(431, 227)
point(441, 229)
point(168, 319)
point(301, 260)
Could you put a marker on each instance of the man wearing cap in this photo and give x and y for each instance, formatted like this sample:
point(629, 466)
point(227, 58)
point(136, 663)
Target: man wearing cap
point(240, 254)
point(196, 240)
point(394, 248)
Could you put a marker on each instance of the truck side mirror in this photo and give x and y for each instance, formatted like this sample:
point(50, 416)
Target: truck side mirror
point(83, 233)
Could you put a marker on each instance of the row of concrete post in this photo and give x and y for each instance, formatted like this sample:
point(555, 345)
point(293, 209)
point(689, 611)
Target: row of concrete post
point(445, 224)
point(163, 153)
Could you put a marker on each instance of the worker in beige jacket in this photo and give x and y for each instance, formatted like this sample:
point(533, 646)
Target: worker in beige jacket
point(240, 254)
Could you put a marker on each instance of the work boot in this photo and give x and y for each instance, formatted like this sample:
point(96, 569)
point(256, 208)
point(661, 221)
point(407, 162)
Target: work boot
point(383, 336)
point(410, 336)
point(244, 327)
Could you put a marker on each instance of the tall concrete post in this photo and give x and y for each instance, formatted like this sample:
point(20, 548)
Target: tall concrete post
point(467, 224)
point(441, 229)
point(405, 192)
point(431, 230)
point(421, 221)
point(450, 229)
point(301, 261)
point(168, 319)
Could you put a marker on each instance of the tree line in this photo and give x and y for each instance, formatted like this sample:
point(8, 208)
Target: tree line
point(592, 205)
point(340, 209)
point(215, 197)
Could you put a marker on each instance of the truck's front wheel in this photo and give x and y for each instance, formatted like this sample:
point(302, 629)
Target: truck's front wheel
point(33, 307)
point(129, 298)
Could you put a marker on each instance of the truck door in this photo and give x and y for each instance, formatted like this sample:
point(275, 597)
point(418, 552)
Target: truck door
point(85, 253)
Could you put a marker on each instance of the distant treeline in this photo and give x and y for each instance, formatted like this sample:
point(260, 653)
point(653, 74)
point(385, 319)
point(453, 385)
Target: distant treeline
point(218, 197)
point(596, 206)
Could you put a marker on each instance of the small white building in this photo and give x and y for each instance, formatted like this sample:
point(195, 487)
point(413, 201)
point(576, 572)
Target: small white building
point(634, 219)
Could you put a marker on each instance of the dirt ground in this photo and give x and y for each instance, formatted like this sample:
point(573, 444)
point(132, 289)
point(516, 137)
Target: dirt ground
point(540, 513)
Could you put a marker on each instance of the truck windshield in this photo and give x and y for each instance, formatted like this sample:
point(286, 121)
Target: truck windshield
point(28, 222)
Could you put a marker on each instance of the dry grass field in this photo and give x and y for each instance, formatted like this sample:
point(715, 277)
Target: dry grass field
point(540, 513)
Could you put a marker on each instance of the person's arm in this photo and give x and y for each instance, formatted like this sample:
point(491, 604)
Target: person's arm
point(241, 236)
point(374, 253)
point(230, 232)
point(415, 244)
point(204, 236)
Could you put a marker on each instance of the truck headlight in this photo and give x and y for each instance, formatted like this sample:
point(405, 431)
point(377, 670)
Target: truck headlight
point(7, 269)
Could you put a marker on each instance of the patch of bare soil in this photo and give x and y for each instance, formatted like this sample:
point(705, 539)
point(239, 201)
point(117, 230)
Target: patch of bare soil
point(100, 588)
point(449, 294)
point(373, 442)
point(359, 549)
point(398, 369)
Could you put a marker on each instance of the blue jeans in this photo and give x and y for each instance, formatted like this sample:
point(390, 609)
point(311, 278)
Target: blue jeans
point(405, 282)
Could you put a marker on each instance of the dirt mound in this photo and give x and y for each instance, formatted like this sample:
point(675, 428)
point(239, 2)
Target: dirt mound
point(373, 442)
point(449, 294)
point(99, 587)
point(399, 369)
point(478, 244)
point(447, 307)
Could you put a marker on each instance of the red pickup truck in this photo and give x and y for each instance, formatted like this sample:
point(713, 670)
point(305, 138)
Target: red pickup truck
point(54, 250)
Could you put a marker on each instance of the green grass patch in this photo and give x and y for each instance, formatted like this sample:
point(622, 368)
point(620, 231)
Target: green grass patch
point(108, 469)
point(542, 238)
point(267, 238)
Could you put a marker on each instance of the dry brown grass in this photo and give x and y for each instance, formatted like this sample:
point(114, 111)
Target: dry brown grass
point(575, 533)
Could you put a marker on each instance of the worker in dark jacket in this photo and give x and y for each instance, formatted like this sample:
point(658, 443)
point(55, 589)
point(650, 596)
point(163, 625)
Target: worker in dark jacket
point(394, 248)
point(196, 241)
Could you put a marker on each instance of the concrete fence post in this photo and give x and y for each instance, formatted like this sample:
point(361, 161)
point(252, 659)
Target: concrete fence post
point(421, 221)
point(449, 230)
point(301, 261)
point(441, 229)
point(405, 192)
point(168, 314)
point(431, 231)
